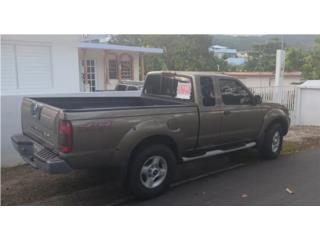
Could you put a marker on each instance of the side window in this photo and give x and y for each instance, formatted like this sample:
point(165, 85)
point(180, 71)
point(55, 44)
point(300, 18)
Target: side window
point(233, 93)
point(207, 90)
point(153, 84)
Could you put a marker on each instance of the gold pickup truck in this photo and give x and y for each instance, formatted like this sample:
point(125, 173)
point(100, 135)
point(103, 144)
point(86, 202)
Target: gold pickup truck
point(179, 117)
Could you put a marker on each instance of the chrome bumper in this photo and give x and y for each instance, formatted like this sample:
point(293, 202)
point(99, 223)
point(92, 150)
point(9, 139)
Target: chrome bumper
point(38, 156)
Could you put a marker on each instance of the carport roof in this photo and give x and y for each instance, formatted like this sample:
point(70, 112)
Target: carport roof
point(123, 48)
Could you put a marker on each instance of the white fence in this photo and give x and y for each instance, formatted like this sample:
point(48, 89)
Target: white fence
point(285, 95)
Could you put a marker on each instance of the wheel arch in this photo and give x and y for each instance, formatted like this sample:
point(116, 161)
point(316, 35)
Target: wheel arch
point(276, 120)
point(280, 120)
point(156, 139)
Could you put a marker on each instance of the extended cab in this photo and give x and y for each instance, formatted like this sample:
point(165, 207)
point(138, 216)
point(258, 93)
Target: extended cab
point(180, 116)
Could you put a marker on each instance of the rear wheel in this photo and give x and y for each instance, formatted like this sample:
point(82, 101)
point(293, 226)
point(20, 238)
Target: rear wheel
point(272, 143)
point(151, 171)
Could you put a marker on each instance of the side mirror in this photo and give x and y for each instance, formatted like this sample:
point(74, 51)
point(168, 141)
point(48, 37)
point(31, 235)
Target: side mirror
point(257, 99)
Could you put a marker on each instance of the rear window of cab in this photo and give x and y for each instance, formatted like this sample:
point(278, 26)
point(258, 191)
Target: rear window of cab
point(174, 86)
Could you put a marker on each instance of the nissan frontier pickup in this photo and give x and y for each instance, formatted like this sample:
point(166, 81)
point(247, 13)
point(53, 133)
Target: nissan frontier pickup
point(179, 117)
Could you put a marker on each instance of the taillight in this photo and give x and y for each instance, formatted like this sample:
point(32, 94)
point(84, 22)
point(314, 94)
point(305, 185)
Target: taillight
point(65, 136)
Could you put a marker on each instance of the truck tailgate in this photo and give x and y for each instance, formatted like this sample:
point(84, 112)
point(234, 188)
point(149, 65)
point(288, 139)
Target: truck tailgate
point(40, 122)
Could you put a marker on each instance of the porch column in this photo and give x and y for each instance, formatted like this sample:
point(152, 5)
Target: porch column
point(84, 78)
point(106, 69)
point(119, 67)
point(132, 66)
point(142, 67)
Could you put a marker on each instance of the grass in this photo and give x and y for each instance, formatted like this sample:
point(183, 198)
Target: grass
point(291, 147)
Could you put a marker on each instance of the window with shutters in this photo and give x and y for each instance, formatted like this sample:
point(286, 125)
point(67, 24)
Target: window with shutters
point(126, 70)
point(126, 67)
point(25, 67)
point(8, 67)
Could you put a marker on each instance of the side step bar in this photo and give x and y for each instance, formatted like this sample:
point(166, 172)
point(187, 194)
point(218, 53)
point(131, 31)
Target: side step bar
point(218, 152)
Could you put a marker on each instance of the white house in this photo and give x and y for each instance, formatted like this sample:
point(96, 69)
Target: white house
point(222, 51)
point(103, 65)
point(307, 103)
point(61, 63)
point(233, 57)
point(58, 64)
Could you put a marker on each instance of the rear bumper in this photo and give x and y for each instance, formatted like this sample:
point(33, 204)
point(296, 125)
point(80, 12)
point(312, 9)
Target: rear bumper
point(39, 157)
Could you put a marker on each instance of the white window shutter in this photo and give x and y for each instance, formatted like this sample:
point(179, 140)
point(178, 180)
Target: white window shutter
point(34, 65)
point(8, 67)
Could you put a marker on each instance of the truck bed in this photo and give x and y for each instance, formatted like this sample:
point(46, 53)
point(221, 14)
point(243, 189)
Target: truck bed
point(81, 103)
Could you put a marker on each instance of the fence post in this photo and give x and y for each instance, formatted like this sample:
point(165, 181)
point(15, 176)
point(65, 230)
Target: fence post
point(296, 110)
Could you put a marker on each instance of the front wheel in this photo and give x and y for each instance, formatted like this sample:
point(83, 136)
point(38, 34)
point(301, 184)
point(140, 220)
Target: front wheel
point(151, 171)
point(272, 143)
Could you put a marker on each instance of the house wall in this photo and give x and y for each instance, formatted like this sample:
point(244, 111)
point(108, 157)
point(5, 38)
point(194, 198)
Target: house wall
point(98, 55)
point(64, 61)
point(64, 78)
point(307, 103)
point(266, 81)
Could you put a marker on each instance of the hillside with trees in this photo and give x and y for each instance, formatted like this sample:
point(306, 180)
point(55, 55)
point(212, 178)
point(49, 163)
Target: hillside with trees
point(247, 42)
point(190, 52)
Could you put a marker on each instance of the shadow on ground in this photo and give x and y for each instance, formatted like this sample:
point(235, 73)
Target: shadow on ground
point(24, 185)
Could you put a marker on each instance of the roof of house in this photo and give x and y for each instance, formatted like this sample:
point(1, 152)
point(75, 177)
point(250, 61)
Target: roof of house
point(236, 61)
point(218, 46)
point(224, 50)
point(114, 47)
point(310, 84)
point(261, 74)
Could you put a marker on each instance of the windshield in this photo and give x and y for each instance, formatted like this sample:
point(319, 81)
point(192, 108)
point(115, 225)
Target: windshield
point(177, 87)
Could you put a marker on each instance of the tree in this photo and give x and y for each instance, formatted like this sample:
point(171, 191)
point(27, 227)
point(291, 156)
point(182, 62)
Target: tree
point(295, 59)
point(181, 52)
point(311, 66)
point(263, 56)
point(190, 52)
point(308, 62)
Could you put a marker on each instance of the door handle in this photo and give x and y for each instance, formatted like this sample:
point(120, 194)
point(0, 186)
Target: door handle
point(226, 112)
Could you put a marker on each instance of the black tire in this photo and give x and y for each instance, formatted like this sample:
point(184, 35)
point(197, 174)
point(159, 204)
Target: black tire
point(267, 150)
point(135, 176)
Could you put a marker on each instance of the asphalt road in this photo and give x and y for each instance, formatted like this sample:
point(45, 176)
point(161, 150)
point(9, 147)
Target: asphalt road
point(289, 180)
point(238, 179)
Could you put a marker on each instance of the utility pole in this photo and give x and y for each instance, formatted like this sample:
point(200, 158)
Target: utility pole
point(280, 63)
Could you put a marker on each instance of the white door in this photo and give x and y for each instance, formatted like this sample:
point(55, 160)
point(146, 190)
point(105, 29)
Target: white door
point(90, 74)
